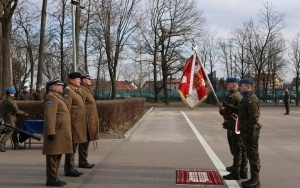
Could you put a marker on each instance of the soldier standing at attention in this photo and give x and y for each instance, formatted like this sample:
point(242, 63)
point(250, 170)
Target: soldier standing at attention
point(286, 101)
point(239, 168)
point(38, 95)
point(24, 95)
point(92, 121)
point(57, 131)
point(249, 114)
point(74, 98)
point(10, 111)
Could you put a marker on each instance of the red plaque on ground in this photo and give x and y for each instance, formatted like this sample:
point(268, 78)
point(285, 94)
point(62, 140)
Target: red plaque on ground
point(198, 177)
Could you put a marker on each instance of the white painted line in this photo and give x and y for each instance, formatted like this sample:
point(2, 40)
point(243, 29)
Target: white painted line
point(214, 158)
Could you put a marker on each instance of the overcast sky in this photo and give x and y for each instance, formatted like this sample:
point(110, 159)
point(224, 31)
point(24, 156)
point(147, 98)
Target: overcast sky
point(224, 15)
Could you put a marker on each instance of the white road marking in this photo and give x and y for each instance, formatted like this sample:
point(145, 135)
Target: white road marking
point(214, 158)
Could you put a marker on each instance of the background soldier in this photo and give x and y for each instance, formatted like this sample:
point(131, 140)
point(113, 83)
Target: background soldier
point(286, 101)
point(92, 121)
point(10, 111)
point(249, 114)
point(239, 168)
point(24, 95)
point(38, 95)
point(74, 98)
point(57, 131)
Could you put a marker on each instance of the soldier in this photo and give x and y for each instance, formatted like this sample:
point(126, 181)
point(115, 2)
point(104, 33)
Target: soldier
point(286, 101)
point(57, 131)
point(10, 111)
point(249, 113)
point(74, 98)
point(239, 168)
point(38, 95)
point(24, 95)
point(92, 121)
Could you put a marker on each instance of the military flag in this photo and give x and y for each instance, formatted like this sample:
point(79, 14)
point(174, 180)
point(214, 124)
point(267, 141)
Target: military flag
point(192, 88)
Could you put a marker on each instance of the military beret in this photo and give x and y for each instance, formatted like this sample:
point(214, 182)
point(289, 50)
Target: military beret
point(74, 75)
point(55, 82)
point(11, 90)
point(24, 87)
point(85, 76)
point(228, 80)
point(246, 80)
point(38, 85)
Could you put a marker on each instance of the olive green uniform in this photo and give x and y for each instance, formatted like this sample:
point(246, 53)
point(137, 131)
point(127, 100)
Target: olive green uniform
point(234, 140)
point(249, 114)
point(10, 112)
point(24, 96)
point(38, 96)
point(286, 101)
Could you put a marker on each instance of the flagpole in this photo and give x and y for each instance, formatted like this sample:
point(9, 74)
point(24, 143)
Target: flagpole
point(207, 78)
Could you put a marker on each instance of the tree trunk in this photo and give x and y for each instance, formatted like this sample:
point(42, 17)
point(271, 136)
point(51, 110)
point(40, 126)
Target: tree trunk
point(86, 38)
point(42, 43)
point(77, 34)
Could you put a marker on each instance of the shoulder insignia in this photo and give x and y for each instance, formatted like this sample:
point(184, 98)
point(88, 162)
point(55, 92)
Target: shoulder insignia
point(250, 102)
point(65, 95)
point(49, 101)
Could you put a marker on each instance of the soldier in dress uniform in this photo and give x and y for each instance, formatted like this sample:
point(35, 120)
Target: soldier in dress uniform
point(239, 168)
point(24, 95)
point(74, 98)
point(38, 95)
point(249, 113)
point(10, 111)
point(92, 121)
point(57, 131)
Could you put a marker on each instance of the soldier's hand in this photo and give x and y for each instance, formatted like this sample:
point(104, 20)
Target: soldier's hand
point(26, 115)
point(51, 137)
point(222, 111)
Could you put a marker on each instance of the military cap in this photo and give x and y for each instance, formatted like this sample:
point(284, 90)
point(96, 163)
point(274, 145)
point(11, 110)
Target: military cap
point(38, 85)
point(228, 80)
point(55, 82)
point(246, 80)
point(85, 76)
point(24, 87)
point(74, 75)
point(11, 90)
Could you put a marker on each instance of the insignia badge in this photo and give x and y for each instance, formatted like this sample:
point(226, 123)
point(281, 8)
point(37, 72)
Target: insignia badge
point(49, 101)
point(65, 95)
point(250, 102)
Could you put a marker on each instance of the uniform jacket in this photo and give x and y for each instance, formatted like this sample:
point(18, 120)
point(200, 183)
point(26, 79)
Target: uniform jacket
point(249, 112)
point(38, 96)
point(10, 110)
point(233, 100)
point(57, 122)
point(92, 114)
point(24, 96)
point(76, 105)
point(286, 97)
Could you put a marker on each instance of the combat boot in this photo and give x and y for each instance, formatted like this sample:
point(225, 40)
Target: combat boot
point(253, 183)
point(244, 173)
point(230, 168)
point(232, 176)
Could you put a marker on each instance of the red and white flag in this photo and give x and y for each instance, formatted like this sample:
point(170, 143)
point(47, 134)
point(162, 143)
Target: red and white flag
point(192, 88)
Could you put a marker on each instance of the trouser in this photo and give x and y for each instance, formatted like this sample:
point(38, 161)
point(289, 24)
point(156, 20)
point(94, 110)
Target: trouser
point(83, 153)
point(287, 108)
point(240, 160)
point(70, 161)
point(52, 166)
point(6, 136)
point(250, 139)
point(15, 138)
point(229, 139)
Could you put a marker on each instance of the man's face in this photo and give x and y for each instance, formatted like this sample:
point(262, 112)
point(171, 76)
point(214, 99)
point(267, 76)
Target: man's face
point(229, 86)
point(86, 82)
point(57, 88)
point(39, 89)
point(245, 87)
point(75, 82)
point(26, 90)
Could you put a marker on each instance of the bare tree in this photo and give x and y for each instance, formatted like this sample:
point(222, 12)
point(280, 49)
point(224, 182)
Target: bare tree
point(295, 58)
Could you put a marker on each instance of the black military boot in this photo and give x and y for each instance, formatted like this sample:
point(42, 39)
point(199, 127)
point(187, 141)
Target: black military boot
point(232, 176)
point(230, 168)
point(244, 173)
point(253, 183)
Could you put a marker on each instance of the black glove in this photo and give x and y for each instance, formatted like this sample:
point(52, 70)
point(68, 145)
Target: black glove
point(51, 137)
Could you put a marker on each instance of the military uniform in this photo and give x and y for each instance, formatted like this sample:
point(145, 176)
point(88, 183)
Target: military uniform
point(57, 135)
point(286, 101)
point(74, 98)
point(249, 113)
point(38, 95)
point(93, 126)
point(239, 167)
point(10, 111)
point(24, 96)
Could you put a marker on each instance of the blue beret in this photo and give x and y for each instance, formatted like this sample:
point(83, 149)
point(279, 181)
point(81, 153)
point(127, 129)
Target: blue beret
point(38, 85)
point(246, 80)
point(24, 87)
point(11, 90)
point(74, 75)
point(228, 80)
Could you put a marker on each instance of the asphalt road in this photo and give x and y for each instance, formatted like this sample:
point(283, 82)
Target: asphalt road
point(163, 142)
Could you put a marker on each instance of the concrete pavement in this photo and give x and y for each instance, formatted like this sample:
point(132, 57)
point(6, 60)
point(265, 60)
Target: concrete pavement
point(162, 142)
